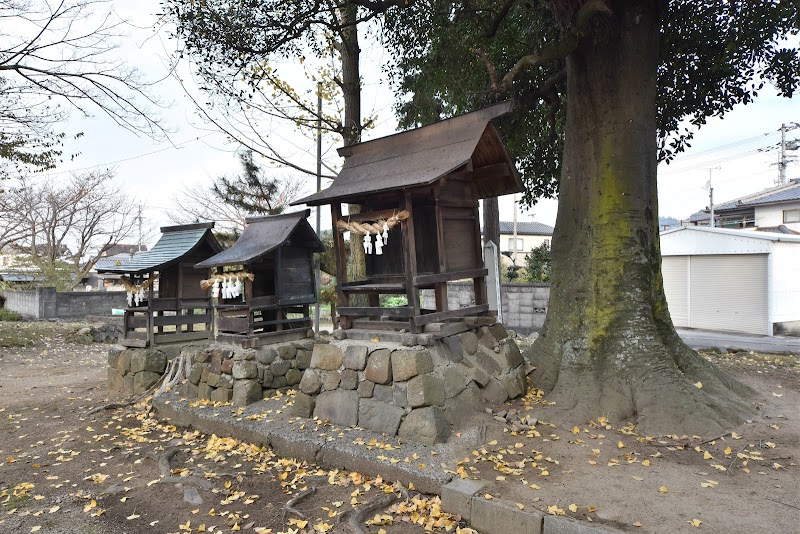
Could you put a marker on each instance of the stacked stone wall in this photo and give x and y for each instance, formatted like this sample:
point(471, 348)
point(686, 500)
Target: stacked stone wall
point(418, 393)
point(219, 372)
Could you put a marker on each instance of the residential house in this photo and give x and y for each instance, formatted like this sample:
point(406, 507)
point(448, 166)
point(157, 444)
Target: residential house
point(530, 234)
point(776, 209)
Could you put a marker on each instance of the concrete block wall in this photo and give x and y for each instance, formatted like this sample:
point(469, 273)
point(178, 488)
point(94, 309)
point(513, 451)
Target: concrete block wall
point(524, 305)
point(46, 303)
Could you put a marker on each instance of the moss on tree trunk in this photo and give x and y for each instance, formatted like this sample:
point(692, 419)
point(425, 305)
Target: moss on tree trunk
point(608, 346)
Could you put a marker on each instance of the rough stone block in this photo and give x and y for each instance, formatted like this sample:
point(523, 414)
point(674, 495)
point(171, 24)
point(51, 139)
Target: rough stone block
point(293, 377)
point(190, 390)
point(484, 359)
point(196, 372)
point(454, 381)
point(494, 392)
point(365, 389)
point(246, 392)
point(330, 380)
point(355, 357)
point(310, 383)
point(425, 390)
point(225, 381)
point(303, 359)
point(503, 516)
point(327, 357)
point(426, 426)
point(457, 496)
point(201, 356)
point(278, 382)
point(124, 362)
point(460, 409)
point(400, 394)
point(407, 364)
point(304, 344)
point(303, 406)
point(514, 383)
point(204, 391)
point(349, 379)
point(213, 379)
point(267, 377)
point(280, 367)
point(498, 331)
point(116, 382)
point(509, 356)
point(379, 368)
point(222, 395)
point(469, 342)
point(266, 355)
point(486, 339)
point(149, 360)
point(383, 393)
point(379, 416)
point(144, 380)
point(113, 355)
point(215, 365)
point(244, 369)
point(241, 354)
point(226, 367)
point(287, 351)
point(339, 407)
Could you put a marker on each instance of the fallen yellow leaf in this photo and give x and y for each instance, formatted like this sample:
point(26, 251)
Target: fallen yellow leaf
point(695, 523)
point(698, 385)
point(573, 508)
point(663, 489)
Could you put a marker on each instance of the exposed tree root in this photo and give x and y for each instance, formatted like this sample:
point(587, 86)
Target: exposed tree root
point(356, 517)
point(178, 371)
point(289, 507)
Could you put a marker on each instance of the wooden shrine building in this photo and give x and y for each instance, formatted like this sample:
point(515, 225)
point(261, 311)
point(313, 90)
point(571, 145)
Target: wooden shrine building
point(272, 264)
point(165, 301)
point(418, 192)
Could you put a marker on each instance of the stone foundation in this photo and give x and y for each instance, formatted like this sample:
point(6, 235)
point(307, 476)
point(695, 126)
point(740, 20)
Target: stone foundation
point(418, 393)
point(219, 372)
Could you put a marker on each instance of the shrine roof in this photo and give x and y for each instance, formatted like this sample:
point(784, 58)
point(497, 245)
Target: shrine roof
point(262, 235)
point(175, 243)
point(422, 156)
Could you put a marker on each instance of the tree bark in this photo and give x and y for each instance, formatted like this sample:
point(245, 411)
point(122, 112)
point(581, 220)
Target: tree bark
point(608, 346)
point(351, 127)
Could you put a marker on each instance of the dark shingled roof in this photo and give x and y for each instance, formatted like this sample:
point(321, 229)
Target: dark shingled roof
point(526, 228)
point(781, 193)
point(262, 235)
point(175, 243)
point(422, 156)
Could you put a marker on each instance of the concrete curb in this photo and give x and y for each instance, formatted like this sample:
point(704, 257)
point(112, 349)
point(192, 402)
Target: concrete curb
point(496, 516)
point(288, 439)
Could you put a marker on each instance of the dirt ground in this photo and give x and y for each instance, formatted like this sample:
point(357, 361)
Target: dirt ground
point(65, 471)
point(743, 482)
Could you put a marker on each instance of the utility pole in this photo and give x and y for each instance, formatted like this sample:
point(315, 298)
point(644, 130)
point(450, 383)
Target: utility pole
point(317, 270)
point(514, 250)
point(783, 163)
point(711, 194)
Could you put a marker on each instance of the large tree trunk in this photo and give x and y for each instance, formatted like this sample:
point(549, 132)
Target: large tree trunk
point(608, 346)
point(351, 131)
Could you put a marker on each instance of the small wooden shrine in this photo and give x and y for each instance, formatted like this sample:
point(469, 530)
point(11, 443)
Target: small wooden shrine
point(426, 183)
point(165, 301)
point(265, 293)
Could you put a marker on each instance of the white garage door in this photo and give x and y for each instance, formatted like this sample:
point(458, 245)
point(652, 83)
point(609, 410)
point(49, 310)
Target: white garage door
point(729, 292)
point(675, 270)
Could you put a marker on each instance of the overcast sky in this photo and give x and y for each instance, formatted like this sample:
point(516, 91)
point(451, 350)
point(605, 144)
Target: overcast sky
point(155, 171)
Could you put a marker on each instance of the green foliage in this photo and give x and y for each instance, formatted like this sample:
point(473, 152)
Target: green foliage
point(393, 301)
point(537, 265)
point(9, 315)
point(715, 54)
point(251, 190)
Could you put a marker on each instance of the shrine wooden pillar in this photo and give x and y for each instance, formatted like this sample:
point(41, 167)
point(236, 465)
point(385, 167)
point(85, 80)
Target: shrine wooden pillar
point(340, 257)
point(410, 255)
point(440, 289)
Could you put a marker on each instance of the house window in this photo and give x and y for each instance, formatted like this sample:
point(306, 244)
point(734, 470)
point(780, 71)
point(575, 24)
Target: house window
point(791, 216)
point(511, 244)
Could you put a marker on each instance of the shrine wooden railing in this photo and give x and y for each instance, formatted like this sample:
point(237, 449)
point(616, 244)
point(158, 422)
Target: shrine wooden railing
point(167, 320)
point(262, 317)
